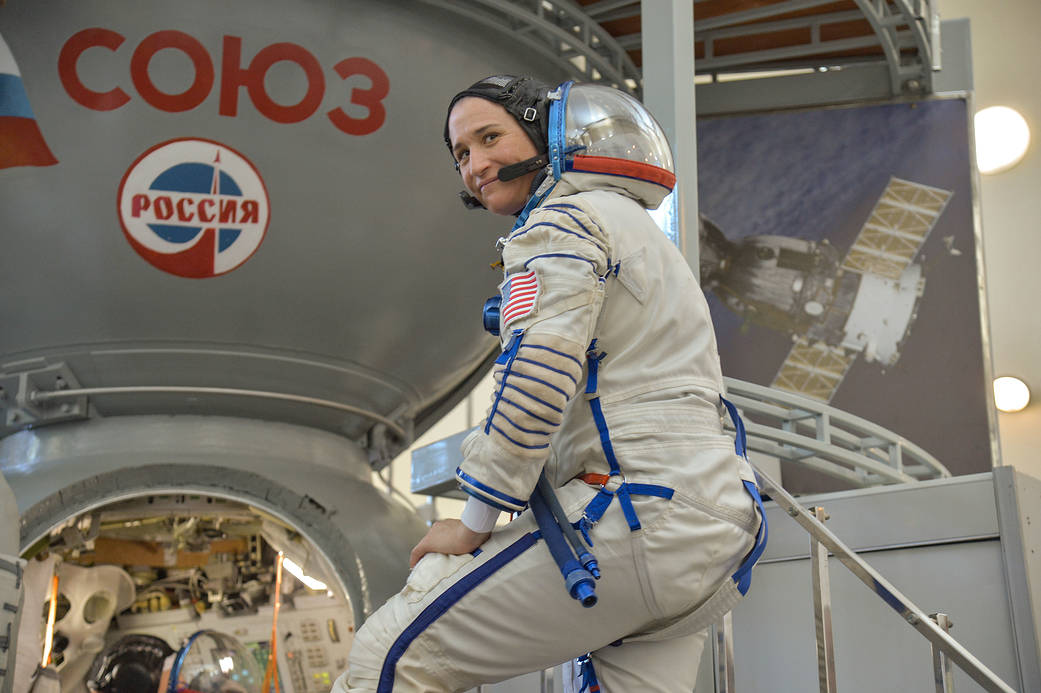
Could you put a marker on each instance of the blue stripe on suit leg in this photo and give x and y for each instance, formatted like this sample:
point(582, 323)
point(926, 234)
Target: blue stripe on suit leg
point(443, 603)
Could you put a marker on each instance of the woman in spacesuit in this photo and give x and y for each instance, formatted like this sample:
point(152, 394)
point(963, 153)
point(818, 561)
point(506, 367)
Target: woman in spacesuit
point(608, 383)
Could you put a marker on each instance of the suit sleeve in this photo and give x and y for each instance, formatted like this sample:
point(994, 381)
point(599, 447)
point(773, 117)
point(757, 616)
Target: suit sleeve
point(551, 297)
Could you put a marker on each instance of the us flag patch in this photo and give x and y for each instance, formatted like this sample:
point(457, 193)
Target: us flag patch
point(519, 293)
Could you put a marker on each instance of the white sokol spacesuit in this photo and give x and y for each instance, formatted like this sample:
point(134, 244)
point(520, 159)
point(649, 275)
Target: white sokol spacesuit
point(627, 429)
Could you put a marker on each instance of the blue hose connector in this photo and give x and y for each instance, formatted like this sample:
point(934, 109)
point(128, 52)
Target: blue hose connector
point(578, 581)
point(589, 562)
point(580, 586)
point(490, 315)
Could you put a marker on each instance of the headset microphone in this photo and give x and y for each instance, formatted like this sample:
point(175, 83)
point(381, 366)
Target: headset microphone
point(508, 173)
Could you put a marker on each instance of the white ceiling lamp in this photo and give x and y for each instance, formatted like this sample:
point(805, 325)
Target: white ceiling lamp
point(1002, 138)
point(1011, 394)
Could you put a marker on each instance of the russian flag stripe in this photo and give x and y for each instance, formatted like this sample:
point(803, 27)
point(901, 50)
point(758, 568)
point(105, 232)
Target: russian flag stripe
point(13, 99)
point(21, 142)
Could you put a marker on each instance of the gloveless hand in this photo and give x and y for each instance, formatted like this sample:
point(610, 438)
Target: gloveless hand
point(447, 536)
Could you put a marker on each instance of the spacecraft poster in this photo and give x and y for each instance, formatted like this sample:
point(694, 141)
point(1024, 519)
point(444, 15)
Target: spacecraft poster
point(845, 237)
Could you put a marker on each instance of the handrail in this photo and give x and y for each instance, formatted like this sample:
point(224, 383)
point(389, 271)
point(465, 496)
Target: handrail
point(917, 618)
point(814, 434)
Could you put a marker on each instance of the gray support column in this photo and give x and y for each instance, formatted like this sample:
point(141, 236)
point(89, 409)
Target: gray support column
point(668, 91)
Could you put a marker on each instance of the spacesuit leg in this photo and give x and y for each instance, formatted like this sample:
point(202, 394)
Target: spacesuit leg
point(466, 620)
point(669, 666)
point(689, 550)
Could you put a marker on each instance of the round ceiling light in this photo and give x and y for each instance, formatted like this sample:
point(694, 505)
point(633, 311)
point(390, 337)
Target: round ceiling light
point(1011, 394)
point(1002, 138)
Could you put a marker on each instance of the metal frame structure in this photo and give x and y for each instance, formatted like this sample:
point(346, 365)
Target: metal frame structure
point(813, 434)
point(919, 19)
point(558, 30)
point(905, 38)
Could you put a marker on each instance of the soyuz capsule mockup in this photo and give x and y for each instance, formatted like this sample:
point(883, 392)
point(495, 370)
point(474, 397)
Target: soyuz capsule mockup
point(834, 306)
point(236, 264)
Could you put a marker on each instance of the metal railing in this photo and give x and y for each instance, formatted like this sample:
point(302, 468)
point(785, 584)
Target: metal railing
point(828, 440)
point(934, 627)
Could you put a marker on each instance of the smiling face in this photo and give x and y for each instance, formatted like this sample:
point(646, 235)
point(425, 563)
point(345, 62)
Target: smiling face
point(484, 138)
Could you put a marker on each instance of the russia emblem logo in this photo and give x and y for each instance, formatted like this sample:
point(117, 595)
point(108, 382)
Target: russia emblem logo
point(193, 207)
